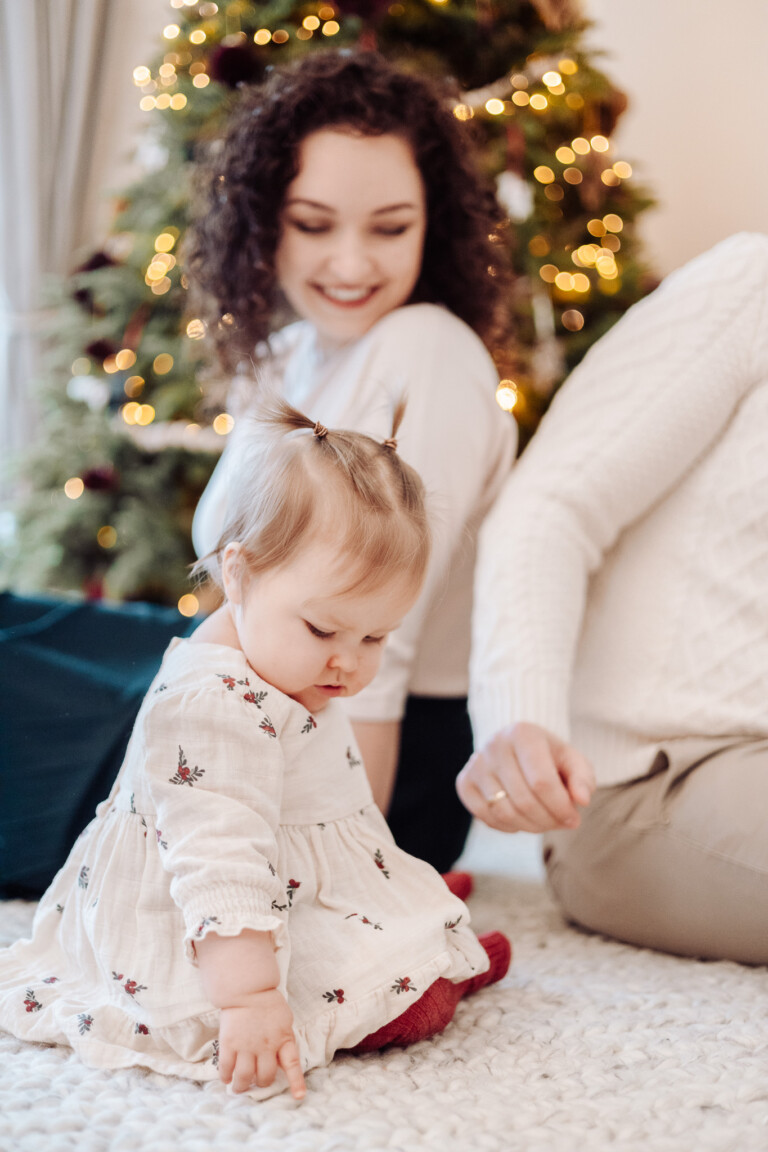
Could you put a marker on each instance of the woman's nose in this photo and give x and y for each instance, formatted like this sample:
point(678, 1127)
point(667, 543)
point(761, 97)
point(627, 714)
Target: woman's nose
point(350, 259)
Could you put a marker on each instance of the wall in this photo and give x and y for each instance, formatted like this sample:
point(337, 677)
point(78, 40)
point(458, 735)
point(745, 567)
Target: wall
point(696, 130)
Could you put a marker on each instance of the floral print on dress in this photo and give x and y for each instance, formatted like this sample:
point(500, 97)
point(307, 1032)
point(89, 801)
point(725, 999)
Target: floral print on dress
point(84, 1023)
point(310, 724)
point(364, 920)
point(268, 727)
point(51, 980)
point(206, 920)
point(254, 698)
point(82, 878)
point(352, 759)
point(31, 1003)
point(130, 986)
point(334, 997)
point(378, 857)
point(449, 924)
point(160, 842)
point(184, 774)
point(215, 1056)
point(250, 696)
point(291, 890)
point(141, 1030)
point(403, 984)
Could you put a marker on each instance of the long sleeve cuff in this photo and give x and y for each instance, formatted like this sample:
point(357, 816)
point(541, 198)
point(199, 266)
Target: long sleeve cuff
point(495, 703)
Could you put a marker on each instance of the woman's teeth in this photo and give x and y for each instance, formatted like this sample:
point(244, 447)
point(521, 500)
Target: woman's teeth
point(347, 295)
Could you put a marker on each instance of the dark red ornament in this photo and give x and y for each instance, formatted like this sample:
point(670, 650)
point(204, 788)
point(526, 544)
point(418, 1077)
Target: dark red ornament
point(103, 478)
point(235, 64)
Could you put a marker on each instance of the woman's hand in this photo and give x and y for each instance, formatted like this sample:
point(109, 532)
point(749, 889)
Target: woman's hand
point(526, 780)
point(256, 1037)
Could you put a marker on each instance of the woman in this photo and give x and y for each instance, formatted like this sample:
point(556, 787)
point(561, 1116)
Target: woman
point(621, 604)
point(343, 189)
point(344, 192)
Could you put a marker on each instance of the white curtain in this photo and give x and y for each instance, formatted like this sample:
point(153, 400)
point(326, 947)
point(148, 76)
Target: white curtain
point(52, 61)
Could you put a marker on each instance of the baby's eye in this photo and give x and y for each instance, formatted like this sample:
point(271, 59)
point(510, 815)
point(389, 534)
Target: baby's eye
point(318, 632)
point(374, 639)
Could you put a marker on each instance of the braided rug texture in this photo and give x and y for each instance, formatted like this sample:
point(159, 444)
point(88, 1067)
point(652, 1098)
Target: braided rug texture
point(586, 1046)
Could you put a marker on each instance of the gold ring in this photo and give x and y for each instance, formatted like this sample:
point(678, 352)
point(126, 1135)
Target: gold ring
point(500, 795)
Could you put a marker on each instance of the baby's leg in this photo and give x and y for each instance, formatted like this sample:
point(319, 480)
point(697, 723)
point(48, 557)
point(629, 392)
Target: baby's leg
point(433, 1011)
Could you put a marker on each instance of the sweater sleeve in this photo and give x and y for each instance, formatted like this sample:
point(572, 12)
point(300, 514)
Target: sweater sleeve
point(462, 445)
point(214, 765)
point(645, 405)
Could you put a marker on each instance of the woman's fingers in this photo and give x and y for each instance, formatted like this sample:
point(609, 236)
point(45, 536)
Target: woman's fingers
point(526, 780)
point(245, 1072)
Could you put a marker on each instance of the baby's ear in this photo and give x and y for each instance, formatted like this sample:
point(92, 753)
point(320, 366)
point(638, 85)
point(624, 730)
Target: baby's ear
point(232, 572)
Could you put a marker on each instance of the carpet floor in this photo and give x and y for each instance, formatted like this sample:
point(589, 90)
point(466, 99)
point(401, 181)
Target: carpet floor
point(586, 1046)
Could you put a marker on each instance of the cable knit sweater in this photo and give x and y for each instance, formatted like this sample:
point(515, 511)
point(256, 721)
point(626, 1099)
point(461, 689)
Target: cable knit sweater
point(622, 595)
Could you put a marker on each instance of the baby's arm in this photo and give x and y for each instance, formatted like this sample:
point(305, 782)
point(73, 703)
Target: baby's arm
point(240, 976)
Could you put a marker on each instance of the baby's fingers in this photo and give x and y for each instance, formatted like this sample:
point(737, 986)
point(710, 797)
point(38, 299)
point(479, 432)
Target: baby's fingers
point(288, 1058)
point(245, 1072)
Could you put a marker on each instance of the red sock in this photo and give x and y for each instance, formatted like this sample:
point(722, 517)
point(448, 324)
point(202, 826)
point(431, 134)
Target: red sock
point(434, 1010)
point(459, 883)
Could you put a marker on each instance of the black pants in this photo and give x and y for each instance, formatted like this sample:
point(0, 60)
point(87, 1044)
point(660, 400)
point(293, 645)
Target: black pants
point(72, 678)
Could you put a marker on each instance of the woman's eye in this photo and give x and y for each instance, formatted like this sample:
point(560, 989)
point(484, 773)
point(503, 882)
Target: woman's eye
point(375, 639)
point(309, 229)
point(317, 631)
point(395, 230)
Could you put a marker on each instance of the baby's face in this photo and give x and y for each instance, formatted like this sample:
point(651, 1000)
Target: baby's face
point(301, 633)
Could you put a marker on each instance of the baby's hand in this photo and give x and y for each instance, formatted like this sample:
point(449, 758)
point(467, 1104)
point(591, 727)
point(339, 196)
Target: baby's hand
point(254, 1039)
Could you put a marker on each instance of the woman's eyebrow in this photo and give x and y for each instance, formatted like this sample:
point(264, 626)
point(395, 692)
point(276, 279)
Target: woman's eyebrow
point(405, 204)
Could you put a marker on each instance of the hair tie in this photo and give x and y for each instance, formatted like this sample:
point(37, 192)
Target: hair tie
point(391, 443)
point(320, 431)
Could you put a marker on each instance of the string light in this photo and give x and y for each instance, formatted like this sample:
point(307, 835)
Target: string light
point(164, 242)
point(311, 22)
point(201, 80)
point(125, 358)
point(609, 178)
point(171, 31)
point(303, 34)
point(223, 424)
point(81, 366)
point(147, 103)
point(622, 169)
point(281, 36)
point(133, 386)
point(178, 101)
point(612, 222)
point(575, 101)
point(163, 100)
point(538, 246)
point(145, 414)
point(518, 80)
point(507, 395)
point(462, 112)
point(572, 176)
point(195, 329)
point(552, 79)
point(520, 99)
point(331, 27)
point(74, 488)
point(160, 287)
point(494, 106)
point(162, 364)
point(553, 192)
point(328, 13)
point(564, 281)
point(543, 174)
point(539, 102)
point(572, 319)
point(141, 75)
point(107, 536)
point(600, 143)
point(188, 605)
point(580, 145)
point(129, 412)
point(596, 228)
point(548, 272)
point(565, 155)
point(263, 36)
point(567, 66)
point(197, 37)
point(167, 70)
point(110, 364)
point(581, 282)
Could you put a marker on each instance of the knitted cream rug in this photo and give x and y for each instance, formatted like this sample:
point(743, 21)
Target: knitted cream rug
point(588, 1045)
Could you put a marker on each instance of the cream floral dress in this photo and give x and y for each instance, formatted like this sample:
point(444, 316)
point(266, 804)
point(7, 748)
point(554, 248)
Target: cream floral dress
point(234, 809)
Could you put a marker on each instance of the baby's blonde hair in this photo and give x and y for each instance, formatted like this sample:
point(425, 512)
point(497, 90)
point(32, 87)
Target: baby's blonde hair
point(298, 480)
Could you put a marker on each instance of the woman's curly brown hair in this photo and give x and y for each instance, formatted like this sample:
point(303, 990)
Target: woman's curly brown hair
point(241, 189)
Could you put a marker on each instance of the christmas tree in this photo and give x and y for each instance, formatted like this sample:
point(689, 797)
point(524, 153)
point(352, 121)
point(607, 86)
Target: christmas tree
point(130, 437)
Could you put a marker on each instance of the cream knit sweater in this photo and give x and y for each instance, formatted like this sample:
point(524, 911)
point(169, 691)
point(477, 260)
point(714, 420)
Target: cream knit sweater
point(622, 590)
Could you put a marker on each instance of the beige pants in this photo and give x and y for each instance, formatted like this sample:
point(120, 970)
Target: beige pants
point(677, 859)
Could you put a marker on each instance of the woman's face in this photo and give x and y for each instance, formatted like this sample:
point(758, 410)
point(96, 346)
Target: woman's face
point(351, 231)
